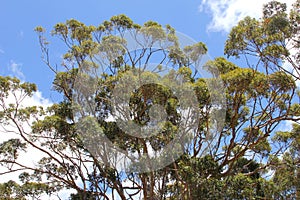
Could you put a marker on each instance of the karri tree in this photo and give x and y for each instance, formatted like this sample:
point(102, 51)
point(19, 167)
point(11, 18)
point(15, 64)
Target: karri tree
point(249, 158)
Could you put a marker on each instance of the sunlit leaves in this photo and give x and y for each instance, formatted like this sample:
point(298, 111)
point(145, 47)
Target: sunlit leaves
point(274, 39)
point(10, 149)
point(258, 101)
point(9, 84)
point(122, 21)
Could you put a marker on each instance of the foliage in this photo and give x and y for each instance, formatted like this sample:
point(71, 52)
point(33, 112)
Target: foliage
point(273, 40)
point(249, 147)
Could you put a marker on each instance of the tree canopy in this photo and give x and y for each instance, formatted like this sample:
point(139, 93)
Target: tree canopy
point(182, 135)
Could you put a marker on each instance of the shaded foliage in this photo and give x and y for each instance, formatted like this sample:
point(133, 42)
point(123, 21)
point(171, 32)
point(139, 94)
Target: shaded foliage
point(249, 147)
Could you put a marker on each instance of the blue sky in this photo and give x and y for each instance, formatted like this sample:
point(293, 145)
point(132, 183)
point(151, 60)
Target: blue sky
point(208, 21)
point(19, 48)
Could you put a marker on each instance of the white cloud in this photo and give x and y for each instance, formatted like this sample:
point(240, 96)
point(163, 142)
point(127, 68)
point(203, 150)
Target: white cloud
point(226, 13)
point(31, 156)
point(287, 65)
point(16, 70)
point(9, 131)
point(2, 51)
point(286, 126)
point(62, 195)
point(294, 71)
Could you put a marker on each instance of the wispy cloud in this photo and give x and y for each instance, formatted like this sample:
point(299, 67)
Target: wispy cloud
point(226, 13)
point(2, 51)
point(16, 70)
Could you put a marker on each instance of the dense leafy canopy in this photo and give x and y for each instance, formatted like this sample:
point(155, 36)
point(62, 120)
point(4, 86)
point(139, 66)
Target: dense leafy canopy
point(251, 159)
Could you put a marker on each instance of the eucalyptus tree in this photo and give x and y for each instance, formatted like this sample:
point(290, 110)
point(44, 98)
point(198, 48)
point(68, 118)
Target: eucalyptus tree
point(139, 118)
